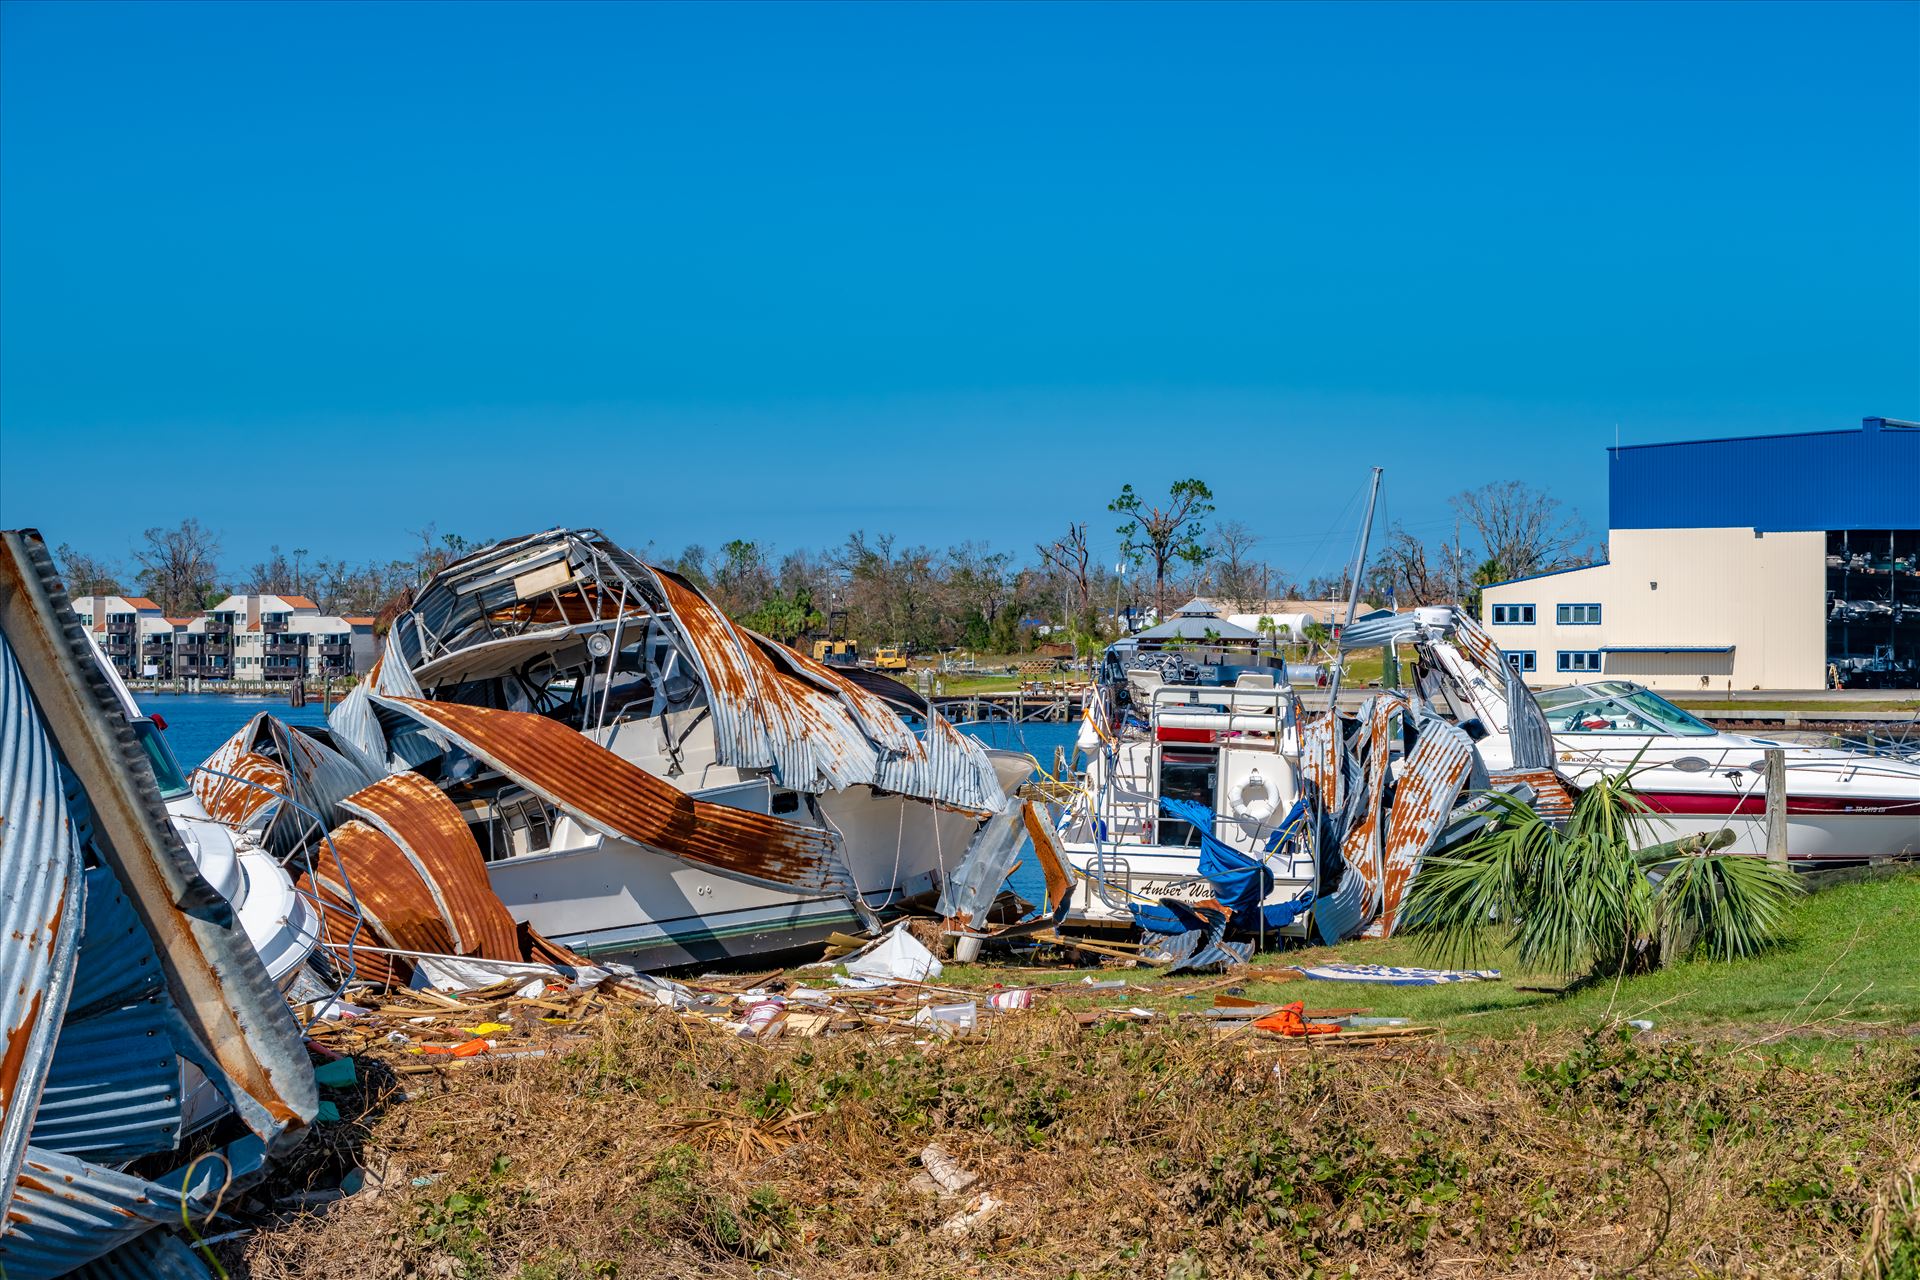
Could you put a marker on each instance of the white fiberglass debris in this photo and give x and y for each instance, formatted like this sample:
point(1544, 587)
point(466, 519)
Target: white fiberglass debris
point(896, 955)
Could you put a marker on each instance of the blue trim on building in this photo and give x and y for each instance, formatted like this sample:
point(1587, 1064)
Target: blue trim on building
point(1811, 481)
point(1551, 573)
point(1532, 662)
point(1560, 660)
point(1559, 621)
point(1493, 609)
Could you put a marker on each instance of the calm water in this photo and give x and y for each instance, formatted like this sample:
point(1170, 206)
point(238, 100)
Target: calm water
point(197, 723)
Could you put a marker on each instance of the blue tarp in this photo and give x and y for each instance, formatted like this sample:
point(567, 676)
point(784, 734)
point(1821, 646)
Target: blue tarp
point(1240, 883)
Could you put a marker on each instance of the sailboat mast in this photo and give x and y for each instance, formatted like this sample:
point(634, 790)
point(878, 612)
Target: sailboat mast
point(1353, 594)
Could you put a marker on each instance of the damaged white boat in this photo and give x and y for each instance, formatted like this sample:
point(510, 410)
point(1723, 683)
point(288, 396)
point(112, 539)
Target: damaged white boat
point(651, 783)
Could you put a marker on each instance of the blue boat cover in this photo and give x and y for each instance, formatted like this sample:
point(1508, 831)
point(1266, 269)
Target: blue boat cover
point(1240, 884)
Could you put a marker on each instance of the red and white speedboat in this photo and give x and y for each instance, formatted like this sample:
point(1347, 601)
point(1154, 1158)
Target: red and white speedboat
point(1842, 806)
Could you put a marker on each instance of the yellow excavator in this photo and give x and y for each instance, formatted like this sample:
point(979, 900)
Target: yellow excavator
point(836, 653)
point(890, 658)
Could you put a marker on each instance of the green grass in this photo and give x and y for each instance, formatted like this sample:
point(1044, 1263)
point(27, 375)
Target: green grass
point(1851, 964)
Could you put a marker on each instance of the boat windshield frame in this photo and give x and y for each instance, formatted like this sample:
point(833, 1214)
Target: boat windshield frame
point(167, 773)
point(1647, 712)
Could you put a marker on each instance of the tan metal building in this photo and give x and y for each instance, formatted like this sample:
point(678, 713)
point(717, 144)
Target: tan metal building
point(1771, 562)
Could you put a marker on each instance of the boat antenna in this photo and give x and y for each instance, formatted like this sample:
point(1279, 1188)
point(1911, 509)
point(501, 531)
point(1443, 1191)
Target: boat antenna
point(1353, 592)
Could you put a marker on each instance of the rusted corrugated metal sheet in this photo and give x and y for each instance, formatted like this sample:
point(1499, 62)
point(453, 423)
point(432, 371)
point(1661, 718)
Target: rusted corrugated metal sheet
point(395, 904)
point(41, 915)
point(1361, 845)
point(252, 784)
point(610, 795)
point(222, 1011)
point(1552, 795)
point(1423, 796)
point(269, 753)
point(426, 827)
point(68, 1211)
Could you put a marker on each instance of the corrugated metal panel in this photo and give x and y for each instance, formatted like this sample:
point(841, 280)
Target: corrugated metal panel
point(429, 831)
point(41, 912)
point(1423, 797)
point(113, 1091)
point(118, 965)
point(1360, 845)
point(252, 785)
point(68, 1212)
point(242, 1032)
point(611, 795)
point(156, 1255)
point(969, 892)
point(1863, 479)
point(395, 903)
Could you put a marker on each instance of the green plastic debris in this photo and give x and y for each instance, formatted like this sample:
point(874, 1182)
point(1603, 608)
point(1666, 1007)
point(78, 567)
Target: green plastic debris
point(327, 1114)
point(338, 1074)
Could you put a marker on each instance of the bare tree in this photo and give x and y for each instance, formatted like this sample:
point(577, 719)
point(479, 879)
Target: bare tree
point(1522, 530)
point(1404, 569)
point(1166, 534)
point(1237, 576)
point(1069, 557)
point(86, 576)
point(177, 566)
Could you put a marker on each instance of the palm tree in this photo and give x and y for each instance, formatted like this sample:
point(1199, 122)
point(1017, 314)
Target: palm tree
point(1591, 897)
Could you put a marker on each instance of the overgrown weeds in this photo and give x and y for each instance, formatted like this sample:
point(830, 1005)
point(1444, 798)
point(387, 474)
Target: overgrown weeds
point(1131, 1151)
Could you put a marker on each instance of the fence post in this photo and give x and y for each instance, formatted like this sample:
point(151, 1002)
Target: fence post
point(1776, 776)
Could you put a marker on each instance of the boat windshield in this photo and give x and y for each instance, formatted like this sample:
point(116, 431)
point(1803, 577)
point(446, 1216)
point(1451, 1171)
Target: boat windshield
point(166, 770)
point(1615, 706)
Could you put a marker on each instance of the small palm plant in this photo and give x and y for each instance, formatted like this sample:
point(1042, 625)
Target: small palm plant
point(1592, 897)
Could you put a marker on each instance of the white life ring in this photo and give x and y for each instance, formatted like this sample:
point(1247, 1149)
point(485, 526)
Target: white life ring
point(1255, 799)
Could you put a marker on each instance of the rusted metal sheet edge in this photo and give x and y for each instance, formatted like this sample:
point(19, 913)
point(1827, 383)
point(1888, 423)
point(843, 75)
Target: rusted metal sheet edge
point(429, 831)
point(610, 795)
point(42, 913)
point(214, 975)
point(1429, 785)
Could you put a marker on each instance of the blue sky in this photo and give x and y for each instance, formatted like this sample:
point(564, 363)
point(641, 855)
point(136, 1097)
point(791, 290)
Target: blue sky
point(952, 272)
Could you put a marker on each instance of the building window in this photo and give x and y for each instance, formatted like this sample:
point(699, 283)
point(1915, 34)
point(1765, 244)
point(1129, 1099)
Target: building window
point(1521, 660)
point(1577, 615)
point(1513, 615)
point(1579, 660)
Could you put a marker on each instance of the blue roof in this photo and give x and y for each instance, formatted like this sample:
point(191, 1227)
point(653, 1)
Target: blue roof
point(1867, 478)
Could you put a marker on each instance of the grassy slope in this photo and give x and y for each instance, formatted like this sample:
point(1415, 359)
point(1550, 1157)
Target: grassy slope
point(1853, 957)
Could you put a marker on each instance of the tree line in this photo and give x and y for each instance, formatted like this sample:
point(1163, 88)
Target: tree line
point(877, 589)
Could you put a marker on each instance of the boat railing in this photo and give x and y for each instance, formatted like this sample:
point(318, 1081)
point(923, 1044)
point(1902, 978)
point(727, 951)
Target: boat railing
point(1231, 709)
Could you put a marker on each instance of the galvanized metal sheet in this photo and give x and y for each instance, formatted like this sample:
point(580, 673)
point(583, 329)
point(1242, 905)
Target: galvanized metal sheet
point(1360, 844)
point(429, 831)
point(976, 880)
point(1423, 797)
point(67, 1211)
point(41, 911)
point(239, 1023)
point(113, 1089)
point(611, 795)
point(157, 1255)
point(117, 961)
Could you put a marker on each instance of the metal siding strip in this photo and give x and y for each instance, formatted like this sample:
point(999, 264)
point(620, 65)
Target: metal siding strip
point(41, 912)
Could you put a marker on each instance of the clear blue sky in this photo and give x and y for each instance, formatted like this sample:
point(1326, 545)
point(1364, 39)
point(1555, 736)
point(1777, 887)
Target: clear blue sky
point(951, 272)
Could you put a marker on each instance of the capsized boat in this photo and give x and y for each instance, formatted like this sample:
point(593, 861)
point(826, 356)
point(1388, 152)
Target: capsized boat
point(650, 782)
